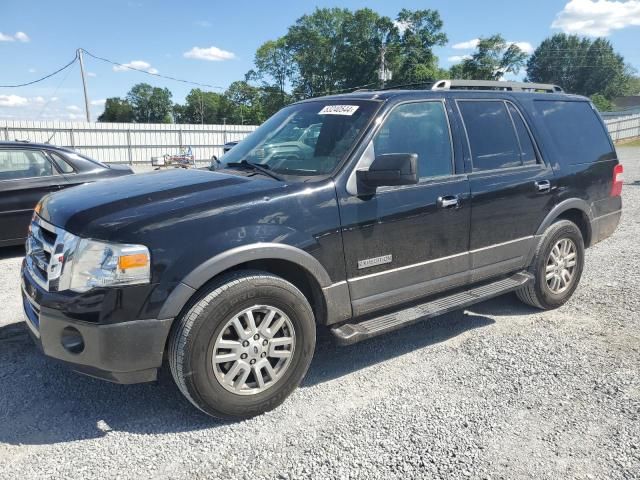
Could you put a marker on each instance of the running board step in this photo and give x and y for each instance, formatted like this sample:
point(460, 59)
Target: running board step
point(350, 333)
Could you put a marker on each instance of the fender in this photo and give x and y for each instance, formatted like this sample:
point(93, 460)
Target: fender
point(236, 256)
point(571, 203)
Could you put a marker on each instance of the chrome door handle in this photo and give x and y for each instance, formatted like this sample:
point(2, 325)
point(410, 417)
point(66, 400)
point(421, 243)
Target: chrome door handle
point(543, 186)
point(448, 202)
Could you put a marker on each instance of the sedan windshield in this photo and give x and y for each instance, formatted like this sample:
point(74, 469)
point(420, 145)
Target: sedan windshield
point(304, 139)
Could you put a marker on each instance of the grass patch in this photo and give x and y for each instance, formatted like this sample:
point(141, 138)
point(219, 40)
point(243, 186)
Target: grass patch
point(633, 143)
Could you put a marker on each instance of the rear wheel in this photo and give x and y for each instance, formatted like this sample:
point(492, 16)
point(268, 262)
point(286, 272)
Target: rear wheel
point(557, 267)
point(244, 346)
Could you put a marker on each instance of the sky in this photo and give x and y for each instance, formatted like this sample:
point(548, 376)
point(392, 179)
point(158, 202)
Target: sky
point(213, 42)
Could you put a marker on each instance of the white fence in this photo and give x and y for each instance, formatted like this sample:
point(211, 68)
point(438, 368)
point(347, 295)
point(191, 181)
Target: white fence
point(132, 143)
point(623, 128)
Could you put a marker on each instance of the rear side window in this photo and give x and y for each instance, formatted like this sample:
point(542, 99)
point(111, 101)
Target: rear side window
point(526, 145)
point(576, 131)
point(491, 135)
point(62, 164)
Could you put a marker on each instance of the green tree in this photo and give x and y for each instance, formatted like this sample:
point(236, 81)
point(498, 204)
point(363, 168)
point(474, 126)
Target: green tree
point(247, 109)
point(422, 32)
point(150, 104)
point(492, 59)
point(274, 60)
point(117, 110)
point(580, 65)
point(203, 107)
point(602, 103)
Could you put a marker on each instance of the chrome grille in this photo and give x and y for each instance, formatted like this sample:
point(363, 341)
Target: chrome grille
point(48, 249)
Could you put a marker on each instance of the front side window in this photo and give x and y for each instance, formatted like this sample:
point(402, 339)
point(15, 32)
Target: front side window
point(305, 139)
point(16, 164)
point(491, 135)
point(421, 128)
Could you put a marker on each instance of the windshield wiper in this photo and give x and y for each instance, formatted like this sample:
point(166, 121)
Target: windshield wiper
point(264, 169)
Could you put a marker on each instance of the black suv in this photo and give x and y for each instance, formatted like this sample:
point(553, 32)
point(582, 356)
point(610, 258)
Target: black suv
point(408, 204)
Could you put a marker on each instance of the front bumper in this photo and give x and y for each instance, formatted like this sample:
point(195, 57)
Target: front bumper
point(124, 352)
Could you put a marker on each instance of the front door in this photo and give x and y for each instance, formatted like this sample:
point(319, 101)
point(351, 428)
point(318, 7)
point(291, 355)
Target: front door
point(25, 177)
point(405, 243)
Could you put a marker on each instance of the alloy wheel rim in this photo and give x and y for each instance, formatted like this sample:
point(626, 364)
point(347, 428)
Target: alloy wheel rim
point(253, 350)
point(561, 266)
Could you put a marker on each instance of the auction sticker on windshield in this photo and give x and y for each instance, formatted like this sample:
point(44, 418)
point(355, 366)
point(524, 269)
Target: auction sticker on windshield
point(338, 110)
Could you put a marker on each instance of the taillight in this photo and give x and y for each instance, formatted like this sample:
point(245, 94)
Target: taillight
point(616, 187)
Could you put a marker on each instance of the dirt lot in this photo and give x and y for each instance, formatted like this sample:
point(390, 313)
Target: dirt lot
point(498, 391)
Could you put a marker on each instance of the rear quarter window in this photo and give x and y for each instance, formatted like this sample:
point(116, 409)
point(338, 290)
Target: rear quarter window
point(575, 130)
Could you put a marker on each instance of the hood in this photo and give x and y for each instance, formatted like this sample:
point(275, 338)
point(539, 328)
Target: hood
point(115, 209)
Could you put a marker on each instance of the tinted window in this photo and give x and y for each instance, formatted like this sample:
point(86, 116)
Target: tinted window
point(62, 164)
point(15, 164)
point(576, 131)
point(493, 141)
point(526, 145)
point(420, 128)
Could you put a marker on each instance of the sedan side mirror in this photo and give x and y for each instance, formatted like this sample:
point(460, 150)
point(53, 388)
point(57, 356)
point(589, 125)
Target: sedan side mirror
point(390, 169)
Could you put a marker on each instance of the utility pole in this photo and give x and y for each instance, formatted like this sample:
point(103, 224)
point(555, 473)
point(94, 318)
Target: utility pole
point(382, 75)
point(84, 86)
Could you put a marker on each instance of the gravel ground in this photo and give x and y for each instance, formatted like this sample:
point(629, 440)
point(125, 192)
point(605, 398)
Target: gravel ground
point(498, 391)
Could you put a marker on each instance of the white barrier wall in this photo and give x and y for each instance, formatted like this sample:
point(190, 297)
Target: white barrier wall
point(624, 127)
point(132, 143)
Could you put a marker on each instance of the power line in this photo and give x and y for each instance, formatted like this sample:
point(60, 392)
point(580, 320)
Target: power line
point(175, 79)
point(43, 78)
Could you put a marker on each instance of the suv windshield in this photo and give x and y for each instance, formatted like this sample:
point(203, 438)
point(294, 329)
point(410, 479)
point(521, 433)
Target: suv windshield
point(305, 139)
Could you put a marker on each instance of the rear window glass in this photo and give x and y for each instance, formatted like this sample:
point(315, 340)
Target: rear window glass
point(576, 131)
point(492, 139)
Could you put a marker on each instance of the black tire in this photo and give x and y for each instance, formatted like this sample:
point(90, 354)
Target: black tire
point(538, 293)
point(194, 334)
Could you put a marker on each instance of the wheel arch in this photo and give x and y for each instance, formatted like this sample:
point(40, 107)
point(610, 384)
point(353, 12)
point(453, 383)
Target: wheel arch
point(291, 263)
point(574, 209)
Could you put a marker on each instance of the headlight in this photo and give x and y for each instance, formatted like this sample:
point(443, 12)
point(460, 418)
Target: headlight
point(100, 264)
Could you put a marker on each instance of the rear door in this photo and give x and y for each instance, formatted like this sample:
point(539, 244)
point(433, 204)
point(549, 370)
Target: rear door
point(511, 186)
point(26, 175)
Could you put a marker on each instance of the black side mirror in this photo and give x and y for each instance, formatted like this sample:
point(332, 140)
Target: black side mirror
point(390, 169)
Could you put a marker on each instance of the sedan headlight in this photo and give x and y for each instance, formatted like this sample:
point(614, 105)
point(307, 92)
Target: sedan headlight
point(101, 264)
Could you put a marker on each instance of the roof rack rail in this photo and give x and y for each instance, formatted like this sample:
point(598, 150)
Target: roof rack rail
point(495, 85)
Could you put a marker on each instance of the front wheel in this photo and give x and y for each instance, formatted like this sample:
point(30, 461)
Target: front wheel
point(244, 346)
point(557, 267)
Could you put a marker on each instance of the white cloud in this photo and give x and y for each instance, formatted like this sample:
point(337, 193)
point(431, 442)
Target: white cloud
point(38, 100)
point(32, 70)
point(466, 45)
point(22, 37)
point(98, 103)
point(526, 47)
point(13, 101)
point(203, 23)
point(73, 108)
point(458, 58)
point(212, 54)
point(91, 74)
point(136, 64)
point(597, 18)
